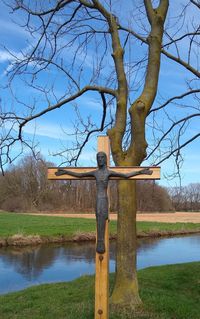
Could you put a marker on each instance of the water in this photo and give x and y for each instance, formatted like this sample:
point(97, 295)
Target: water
point(24, 267)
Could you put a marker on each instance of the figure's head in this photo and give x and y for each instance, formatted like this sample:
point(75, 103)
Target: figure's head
point(101, 159)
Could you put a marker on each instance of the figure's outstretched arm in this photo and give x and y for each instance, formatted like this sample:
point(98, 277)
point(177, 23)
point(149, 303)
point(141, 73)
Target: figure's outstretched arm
point(145, 171)
point(75, 174)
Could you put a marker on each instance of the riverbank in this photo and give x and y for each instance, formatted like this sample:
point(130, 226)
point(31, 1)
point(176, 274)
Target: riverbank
point(25, 229)
point(167, 292)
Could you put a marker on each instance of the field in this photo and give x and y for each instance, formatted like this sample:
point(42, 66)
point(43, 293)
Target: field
point(25, 229)
point(178, 217)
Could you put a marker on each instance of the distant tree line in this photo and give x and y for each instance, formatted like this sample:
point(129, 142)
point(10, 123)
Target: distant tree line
point(25, 188)
point(186, 198)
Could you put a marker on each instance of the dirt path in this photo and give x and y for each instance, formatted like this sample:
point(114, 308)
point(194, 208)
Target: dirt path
point(171, 218)
point(155, 217)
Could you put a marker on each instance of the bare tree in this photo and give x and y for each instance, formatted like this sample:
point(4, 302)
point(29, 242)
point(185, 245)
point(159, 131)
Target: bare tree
point(113, 50)
point(186, 198)
point(25, 188)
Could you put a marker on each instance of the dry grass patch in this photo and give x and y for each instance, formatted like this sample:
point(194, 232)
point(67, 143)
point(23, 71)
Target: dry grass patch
point(23, 240)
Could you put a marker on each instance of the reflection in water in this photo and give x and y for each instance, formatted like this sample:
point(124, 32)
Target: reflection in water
point(28, 261)
point(23, 267)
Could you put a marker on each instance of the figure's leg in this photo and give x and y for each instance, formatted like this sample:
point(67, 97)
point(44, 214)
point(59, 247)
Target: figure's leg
point(101, 217)
point(101, 224)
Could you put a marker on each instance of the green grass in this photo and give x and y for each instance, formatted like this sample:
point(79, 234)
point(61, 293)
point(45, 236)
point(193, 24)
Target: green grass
point(172, 291)
point(13, 223)
point(168, 292)
point(47, 226)
point(153, 227)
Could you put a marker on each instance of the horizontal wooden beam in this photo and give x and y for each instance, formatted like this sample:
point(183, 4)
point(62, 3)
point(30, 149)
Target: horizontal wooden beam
point(121, 169)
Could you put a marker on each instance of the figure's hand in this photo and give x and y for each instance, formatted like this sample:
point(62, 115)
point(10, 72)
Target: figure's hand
point(146, 171)
point(60, 172)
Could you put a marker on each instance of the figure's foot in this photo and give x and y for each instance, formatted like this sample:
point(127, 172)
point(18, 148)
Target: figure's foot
point(100, 247)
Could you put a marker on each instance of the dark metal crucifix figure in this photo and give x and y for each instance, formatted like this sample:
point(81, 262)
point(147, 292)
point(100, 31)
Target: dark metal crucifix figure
point(102, 175)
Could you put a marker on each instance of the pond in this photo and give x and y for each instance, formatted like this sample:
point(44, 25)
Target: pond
point(27, 266)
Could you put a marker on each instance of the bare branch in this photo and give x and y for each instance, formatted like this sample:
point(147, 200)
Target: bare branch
point(65, 101)
point(59, 6)
point(183, 63)
point(117, 131)
point(195, 33)
point(178, 148)
point(149, 10)
point(140, 108)
point(197, 4)
point(174, 98)
point(167, 54)
point(87, 4)
point(100, 129)
point(187, 118)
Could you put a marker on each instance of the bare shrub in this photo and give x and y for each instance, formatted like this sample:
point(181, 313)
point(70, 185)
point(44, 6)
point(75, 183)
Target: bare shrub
point(13, 204)
point(25, 187)
point(186, 198)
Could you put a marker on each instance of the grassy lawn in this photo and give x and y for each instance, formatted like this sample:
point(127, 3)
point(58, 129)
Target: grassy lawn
point(46, 226)
point(156, 227)
point(168, 292)
point(13, 223)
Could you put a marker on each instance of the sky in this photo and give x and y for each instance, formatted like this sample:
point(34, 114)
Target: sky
point(54, 130)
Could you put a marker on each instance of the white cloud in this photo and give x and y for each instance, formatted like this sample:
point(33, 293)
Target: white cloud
point(48, 130)
point(5, 56)
point(43, 129)
point(11, 27)
point(86, 101)
point(12, 55)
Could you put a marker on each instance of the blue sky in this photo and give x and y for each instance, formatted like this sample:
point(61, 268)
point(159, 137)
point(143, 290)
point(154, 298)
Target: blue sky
point(53, 130)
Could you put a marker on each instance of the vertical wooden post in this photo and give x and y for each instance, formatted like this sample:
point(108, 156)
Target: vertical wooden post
point(102, 260)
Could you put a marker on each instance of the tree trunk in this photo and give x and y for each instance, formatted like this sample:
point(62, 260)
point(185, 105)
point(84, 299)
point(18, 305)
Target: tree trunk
point(125, 292)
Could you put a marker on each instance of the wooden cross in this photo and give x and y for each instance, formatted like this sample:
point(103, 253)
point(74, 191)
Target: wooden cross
point(102, 259)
